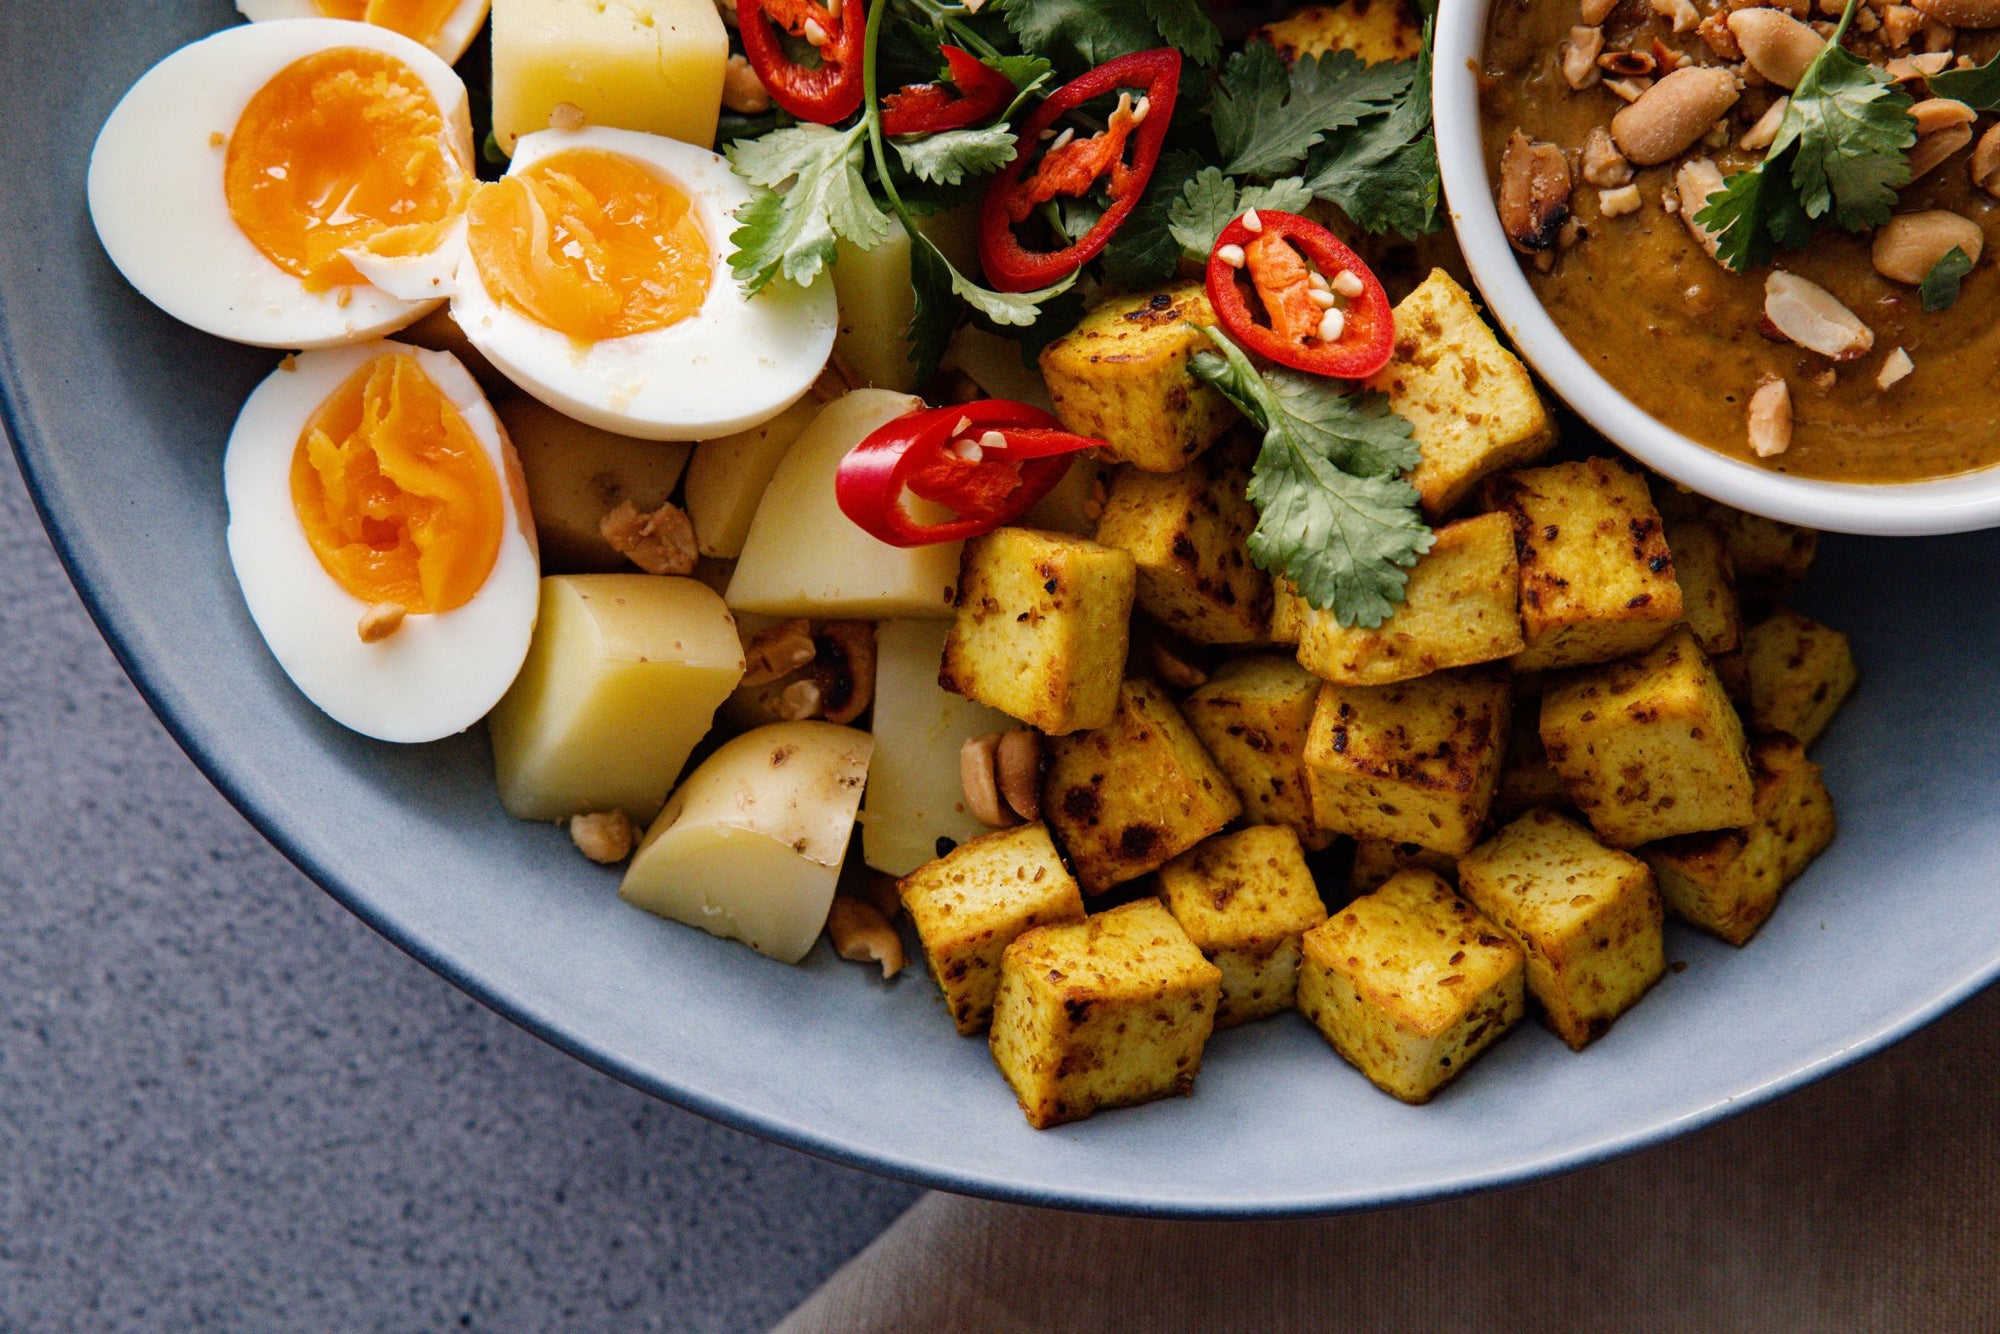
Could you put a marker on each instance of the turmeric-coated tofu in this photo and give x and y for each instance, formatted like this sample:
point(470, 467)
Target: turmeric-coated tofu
point(1189, 534)
point(1288, 611)
point(1588, 916)
point(1527, 779)
point(1728, 882)
point(1471, 401)
point(1800, 674)
point(1105, 1012)
point(1252, 717)
point(1597, 579)
point(1650, 747)
point(1414, 762)
point(1375, 30)
point(1378, 859)
point(1462, 607)
point(1122, 375)
point(1244, 899)
point(969, 904)
point(1769, 557)
point(1410, 983)
point(1041, 628)
point(1129, 797)
point(1707, 580)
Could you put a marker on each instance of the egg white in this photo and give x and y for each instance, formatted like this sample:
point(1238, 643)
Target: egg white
point(734, 364)
point(450, 41)
point(157, 198)
point(436, 675)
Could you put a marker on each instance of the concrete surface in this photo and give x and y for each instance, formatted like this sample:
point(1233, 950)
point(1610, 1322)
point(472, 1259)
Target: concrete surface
point(225, 1102)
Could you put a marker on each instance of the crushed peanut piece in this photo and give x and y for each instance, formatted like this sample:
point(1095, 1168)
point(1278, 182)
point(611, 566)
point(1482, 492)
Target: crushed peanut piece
point(1896, 368)
point(566, 116)
point(606, 837)
point(742, 91)
point(861, 934)
point(799, 701)
point(658, 543)
point(777, 652)
point(1616, 203)
point(1603, 165)
point(380, 621)
point(1771, 418)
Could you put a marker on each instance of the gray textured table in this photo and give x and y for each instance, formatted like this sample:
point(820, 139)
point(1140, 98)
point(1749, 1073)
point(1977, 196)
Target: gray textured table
point(224, 1100)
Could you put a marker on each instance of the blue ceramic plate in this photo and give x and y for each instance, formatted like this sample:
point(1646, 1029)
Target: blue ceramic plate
point(119, 417)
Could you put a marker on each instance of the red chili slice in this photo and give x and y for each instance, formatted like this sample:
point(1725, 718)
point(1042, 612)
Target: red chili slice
point(1272, 260)
point(1075, 168)
point(982, 93)
point(826, 95)
point(987, 462)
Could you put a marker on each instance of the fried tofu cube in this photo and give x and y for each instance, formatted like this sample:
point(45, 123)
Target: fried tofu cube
point(1375, 30)
point(1288, 611)
point(1129, 797)
point(1122, 375)
point(1728, 882)
point(1105, 1012)
point(1707, 580)
point(1800, 674)
point(1041, 628)
point(1462, 607)
point(1770, 558)
point(1472, 402)
point(1527, 779)
point(1252, 717)
point(1588, 916)
point(1244, 899)
point(1597, 580)
point(1189, 533)
point(1378, 859)
point(1650, 747)
point(971, 903)
point(1410, 984)
point(1415, 762)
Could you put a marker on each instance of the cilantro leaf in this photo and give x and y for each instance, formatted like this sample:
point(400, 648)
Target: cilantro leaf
point(1211, 201)
point(811, 194)
point(1007, 308)
point(1978, 88)
point(949, 157)
point(1027, 72)
point(1383, 173)
point(1088, 32)
point(1188, 28)
point(937, 309)
point(1334, 516)
point(1754, 212)
point(1144, 252)
point(1852, 125)
point(1268, 115)
point(1940, 287)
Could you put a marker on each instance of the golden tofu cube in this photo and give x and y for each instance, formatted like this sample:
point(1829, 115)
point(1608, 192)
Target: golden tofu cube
point(1041, 628)
point(1770, 558)
point(1462, 606)
point(1376, 860)
point(1597, 580)
point(1728, 882)
point(1189, 533)
point(1410, 984)
point(1375, 30)
point(1707, 580)
point(1252, 717)
point(1800, 674)
point(1288, 611)
point(1527, 779)
point(1650, 747)
point(1472, 402)
point(1122, 375)
point(1105, 1012)
point(971, 903)
point(1129, 797)
point(1244, 899)
point(1414, 762)
point(1588, 916)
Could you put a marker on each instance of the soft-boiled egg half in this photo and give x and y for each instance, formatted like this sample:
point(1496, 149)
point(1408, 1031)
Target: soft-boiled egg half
point(297, 184)
point(596, 276)
point(379, 529)
point(447, 27)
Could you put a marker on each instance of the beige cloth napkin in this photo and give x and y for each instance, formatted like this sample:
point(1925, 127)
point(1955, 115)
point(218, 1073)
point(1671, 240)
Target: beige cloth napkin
point(1864, 1202)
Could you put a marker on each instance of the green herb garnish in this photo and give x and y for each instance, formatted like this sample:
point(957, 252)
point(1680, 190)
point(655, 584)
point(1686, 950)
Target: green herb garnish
point(1978, 88)
point(1940, 286)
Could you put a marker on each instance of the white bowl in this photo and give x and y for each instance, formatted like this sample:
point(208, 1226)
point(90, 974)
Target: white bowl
point(1901, 509)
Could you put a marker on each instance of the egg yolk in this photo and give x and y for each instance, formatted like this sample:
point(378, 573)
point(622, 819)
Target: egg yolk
point(343, 149)
point(394, 493)
point(591, 244)
point(417, 19)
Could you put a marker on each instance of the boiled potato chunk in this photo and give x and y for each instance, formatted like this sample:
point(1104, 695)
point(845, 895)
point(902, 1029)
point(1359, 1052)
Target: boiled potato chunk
point(726, 478)
point(750, 846)
point(650, 65)
point(623, 678)
point(576, 474)
point(878, 299)
point(914, 794)
point(803, 557)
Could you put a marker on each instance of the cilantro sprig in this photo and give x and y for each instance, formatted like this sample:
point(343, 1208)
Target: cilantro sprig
point(1978, 87)
point(1842, 151)
point(1335, 515)
point(1940, 285)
